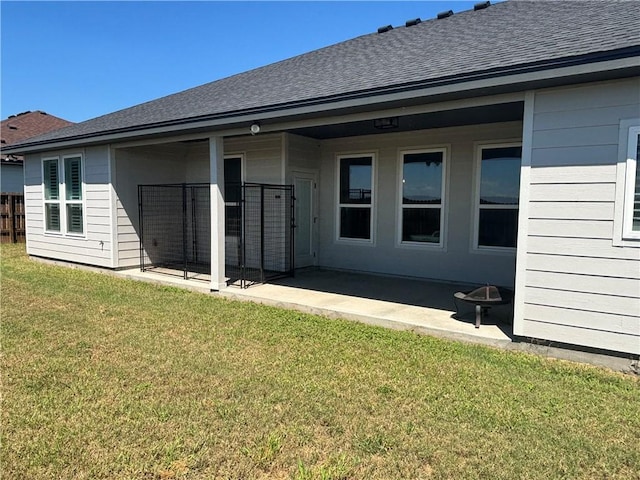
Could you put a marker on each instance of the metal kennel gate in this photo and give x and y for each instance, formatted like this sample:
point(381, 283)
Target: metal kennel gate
point(175, 231)
point(259, 234)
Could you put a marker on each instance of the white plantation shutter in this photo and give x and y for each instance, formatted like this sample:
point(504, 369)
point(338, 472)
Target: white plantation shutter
point(73, 194)
point(73, 178)
point(63, 195)
point(74, 218)
point(51, 180)
point(51, 183)
point(53, 216)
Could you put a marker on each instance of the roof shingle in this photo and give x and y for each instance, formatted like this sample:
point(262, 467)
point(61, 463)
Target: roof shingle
point(23, 126)
point(505, 35)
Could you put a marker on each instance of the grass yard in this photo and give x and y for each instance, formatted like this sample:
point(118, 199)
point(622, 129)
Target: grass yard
point(108, 378)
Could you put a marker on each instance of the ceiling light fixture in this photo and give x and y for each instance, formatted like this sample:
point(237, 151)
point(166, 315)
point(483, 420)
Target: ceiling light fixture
point(385, 123)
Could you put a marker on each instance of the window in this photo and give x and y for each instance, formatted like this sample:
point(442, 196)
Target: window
point(51, 194)
point(73, 194)
point(498, 194)
point(63, 196)
point(631, 227)
point(355, 197)
point(422, 191)
point(233, 194)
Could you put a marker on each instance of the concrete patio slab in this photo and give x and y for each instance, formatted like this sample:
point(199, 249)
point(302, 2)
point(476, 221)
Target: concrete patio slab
point(165, 277)
point(399, 303)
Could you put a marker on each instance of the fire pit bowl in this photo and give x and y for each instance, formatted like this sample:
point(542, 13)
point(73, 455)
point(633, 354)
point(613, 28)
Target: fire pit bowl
point(484, 298)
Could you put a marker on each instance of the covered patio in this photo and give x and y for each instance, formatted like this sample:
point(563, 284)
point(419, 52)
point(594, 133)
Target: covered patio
point(400, 303)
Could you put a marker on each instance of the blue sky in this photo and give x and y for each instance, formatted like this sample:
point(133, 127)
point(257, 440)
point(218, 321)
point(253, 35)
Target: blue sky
point(80, 60)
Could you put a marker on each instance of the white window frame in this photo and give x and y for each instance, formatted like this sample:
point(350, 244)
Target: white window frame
point(475, 246)
point(66, 202)
point(623, 234)
point(243, 169)
point(62, 195)
point(241, 156)
point(46, 202)
point(372, 206)
point(443, 199)
point(630, 184)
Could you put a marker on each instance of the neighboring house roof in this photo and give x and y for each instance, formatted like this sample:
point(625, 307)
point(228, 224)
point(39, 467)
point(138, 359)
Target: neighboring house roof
point(25, 125)
point(502, 39)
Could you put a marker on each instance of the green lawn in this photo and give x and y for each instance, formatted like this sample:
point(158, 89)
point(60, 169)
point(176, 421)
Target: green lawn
point(108, 378)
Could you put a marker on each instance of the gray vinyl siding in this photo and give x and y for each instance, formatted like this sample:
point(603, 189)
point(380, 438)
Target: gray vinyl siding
point(302, 154)
point(179, 162)
point(457, 261)
point(11, 178)
point(263, 156)
point(95, 247)
point(579, 287)
point(154, 164)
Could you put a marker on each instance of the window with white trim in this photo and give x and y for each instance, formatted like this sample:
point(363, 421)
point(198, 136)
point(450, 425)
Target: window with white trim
point(631, 215)
point(73, 194)
point(498, 196)
point(355, 197)
point(51, 177)
point(63, 194)
point(422, 194)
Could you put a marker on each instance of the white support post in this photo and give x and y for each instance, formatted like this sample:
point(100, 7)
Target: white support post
point(216, 168)
point(523, 214)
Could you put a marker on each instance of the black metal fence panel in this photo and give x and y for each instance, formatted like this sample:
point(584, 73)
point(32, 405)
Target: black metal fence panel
point(267, 232)
point(233, 233)
point(175, 228)
point(199, 228)
point(175, 231)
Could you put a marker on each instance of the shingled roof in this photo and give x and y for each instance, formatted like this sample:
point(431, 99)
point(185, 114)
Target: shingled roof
point(25, 125)
point(499, 40)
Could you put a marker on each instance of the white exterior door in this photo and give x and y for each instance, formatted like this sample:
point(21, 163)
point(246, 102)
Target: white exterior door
point(305, 185)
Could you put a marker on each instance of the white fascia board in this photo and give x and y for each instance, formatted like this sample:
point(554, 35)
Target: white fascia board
point(415, 94)
point(435, 91)
point(124, 139)
point(340, 119)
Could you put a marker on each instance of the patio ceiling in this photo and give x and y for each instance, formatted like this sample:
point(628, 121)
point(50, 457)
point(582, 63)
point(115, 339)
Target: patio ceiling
point(504, 112)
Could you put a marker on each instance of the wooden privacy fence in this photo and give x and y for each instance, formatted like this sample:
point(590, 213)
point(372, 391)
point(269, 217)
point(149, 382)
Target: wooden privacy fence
point(12, 220)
